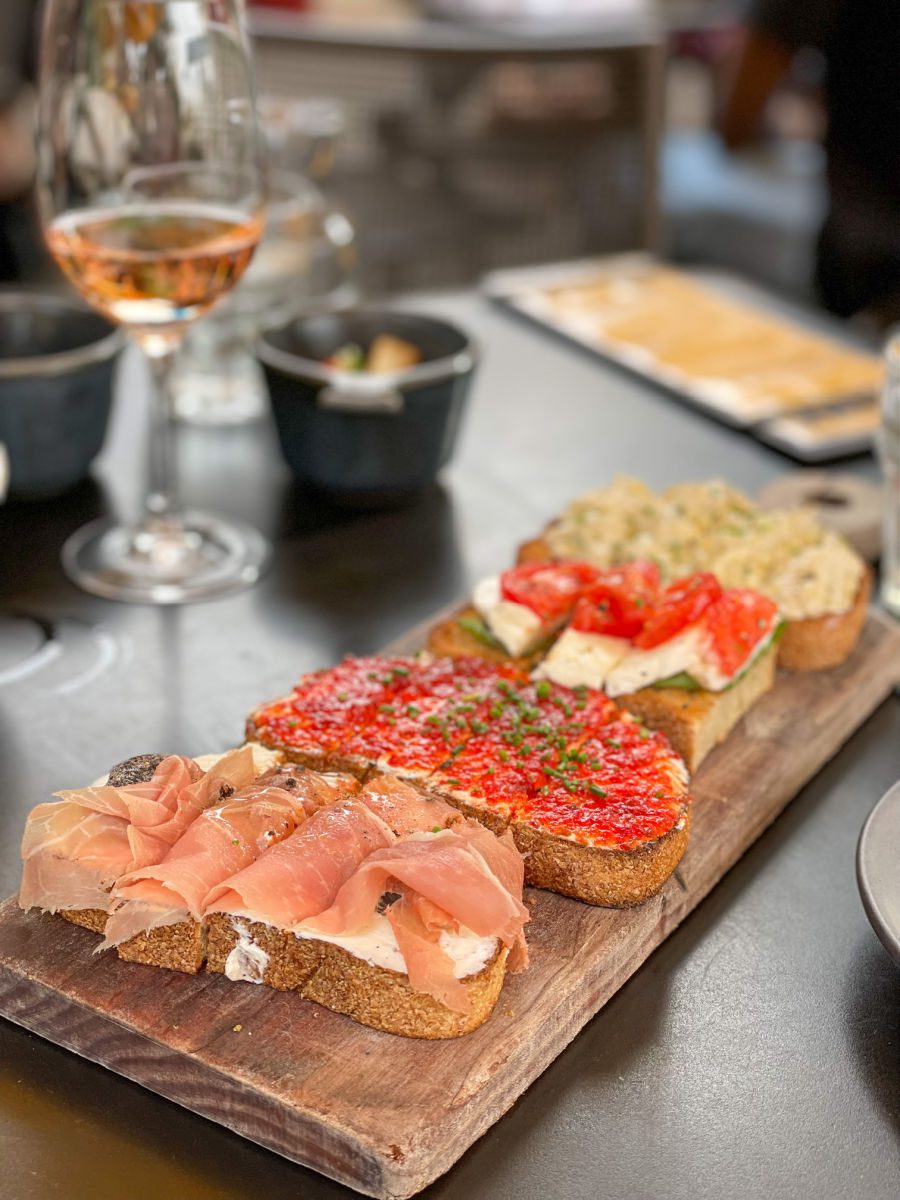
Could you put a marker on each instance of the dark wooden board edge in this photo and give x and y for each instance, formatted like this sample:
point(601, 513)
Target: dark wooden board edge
point(176, 1076)
point(298, 1133)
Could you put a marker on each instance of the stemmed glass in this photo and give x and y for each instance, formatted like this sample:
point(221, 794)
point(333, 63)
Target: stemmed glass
point(151, 192)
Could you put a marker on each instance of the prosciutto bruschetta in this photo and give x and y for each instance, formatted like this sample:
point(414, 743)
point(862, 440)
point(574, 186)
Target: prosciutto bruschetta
point(378, 901)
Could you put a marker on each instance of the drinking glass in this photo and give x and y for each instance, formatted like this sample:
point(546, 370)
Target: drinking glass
point(151, 192)
point(304, 264)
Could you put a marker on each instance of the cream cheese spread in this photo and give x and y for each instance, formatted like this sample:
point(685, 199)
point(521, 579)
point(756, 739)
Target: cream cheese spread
point(377, 946)
point(247, 961)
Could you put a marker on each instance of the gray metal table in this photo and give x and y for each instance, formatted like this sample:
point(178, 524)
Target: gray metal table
point(755, 1054)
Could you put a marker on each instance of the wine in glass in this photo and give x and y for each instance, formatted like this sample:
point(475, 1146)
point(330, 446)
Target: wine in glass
point(151, 191)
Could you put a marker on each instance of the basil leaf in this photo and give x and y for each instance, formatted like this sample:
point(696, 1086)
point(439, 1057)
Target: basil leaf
point(477, 628)
point(682, 680)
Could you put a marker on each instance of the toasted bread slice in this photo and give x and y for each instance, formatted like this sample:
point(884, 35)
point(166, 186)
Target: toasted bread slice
point(697, 721)
point(450, 639)
point(338, 980)
point(89, 918)
point(535, 550)
point(608, 878)
point(312, 758)
point(818, 643)
point(180, 947)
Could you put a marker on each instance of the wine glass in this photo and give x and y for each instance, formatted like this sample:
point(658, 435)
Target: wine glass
point(151, 192)
point(305, 263)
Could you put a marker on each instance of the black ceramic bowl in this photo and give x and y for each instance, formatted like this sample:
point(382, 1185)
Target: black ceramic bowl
point(367, 440)
point(56, 370)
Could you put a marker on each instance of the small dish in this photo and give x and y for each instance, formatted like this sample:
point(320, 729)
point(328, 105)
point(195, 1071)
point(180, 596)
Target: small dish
point(367, 440)
point(878, 869)
point(56, 371)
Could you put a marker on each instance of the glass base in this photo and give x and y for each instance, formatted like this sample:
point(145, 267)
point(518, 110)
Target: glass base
point(204, 557)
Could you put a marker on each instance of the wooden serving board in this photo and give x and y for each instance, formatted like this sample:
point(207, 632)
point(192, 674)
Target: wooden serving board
point(380, 1113)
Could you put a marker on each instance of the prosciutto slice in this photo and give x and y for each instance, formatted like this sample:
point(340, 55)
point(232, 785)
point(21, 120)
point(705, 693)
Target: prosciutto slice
point(404, 809)
point(445, 868)
point(460, 878)
point(302, 875)
point(59, 884)
point(218, 844)
point(417, 926)
point(158, 812)
point(76, 848)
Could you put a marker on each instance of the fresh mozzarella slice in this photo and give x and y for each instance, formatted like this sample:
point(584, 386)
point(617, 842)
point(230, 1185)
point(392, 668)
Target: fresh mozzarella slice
point(709, 675)
point(516, 627)
point(641, 668)
point(690, 653)
point(582, 659)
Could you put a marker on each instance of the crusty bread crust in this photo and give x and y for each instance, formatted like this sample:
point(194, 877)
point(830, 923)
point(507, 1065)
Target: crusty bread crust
point(818, 643)
point(450, 640)
point(371, 995)
point(180, 947)
point(608, 878)
point(535, 550)
point(696, 722)
point(89, 918)
point(314, 760)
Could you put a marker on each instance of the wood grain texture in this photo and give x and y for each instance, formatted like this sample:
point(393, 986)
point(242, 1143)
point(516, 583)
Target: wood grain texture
point(383, 1114)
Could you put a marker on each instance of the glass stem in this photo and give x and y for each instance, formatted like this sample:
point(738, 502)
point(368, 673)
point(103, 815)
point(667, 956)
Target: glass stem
point(162, 508)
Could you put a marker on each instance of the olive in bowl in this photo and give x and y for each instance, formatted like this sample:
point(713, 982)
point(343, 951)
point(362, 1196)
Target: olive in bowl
point(56, 373)
point(368, 437)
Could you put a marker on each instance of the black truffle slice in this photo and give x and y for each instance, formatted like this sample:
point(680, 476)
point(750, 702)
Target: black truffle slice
point(134, 770)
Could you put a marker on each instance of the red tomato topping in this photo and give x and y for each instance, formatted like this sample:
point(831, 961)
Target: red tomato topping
point(682, 603)
point(563, 760)
point(619, 603)
point(737, 622)
point(548, 589)
point(617, 821)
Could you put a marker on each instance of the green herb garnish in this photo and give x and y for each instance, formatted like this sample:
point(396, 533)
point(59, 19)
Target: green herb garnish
point(477, 628)
point(682, 680)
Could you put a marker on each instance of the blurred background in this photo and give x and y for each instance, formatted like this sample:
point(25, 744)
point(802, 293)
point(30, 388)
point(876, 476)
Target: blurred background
point(441, 139)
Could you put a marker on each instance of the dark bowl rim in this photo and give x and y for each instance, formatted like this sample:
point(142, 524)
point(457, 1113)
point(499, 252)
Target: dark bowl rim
point(309, 370)
point(99, 350)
